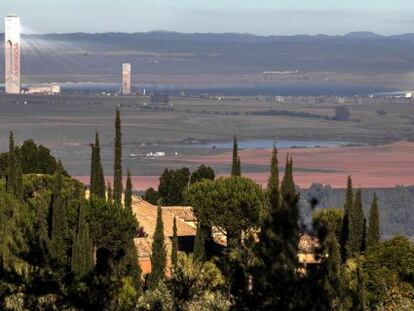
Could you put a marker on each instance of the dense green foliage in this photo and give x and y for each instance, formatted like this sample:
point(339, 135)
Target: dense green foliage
point(231, 204)
point(35, 159)
point(152, 196)
point(328, 220)
point(194, 286)
point(172, 185)
point(202, 172)
point(389, 265)
point(63, 250)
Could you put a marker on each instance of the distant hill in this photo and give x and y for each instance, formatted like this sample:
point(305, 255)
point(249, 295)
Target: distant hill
point(161, 52)
point(363, 35)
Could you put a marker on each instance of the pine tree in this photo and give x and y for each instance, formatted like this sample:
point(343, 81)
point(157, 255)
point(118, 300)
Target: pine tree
point(236, 165)
point(373, 236)
point(273, 188)
point(82, 249)
point(333, 279)
point(158, 255)
point(356, 226)
point(174, 246)
point(128, 192)
point(349, 203)
point(199, 245)
point(97, 176)
point(118, 161)
point(58, 230)
point(110, 198)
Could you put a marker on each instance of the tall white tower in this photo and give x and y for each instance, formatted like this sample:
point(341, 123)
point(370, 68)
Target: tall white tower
point(12, 54)
point(126, 79)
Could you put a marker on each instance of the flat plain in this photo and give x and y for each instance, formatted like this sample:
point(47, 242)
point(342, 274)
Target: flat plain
point(67, 123)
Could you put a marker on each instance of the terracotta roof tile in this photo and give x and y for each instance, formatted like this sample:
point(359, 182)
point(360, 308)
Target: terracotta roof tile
point(308, 244)
point(146, 214)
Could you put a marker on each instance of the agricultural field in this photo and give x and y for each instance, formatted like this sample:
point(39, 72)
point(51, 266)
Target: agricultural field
point(67, 123)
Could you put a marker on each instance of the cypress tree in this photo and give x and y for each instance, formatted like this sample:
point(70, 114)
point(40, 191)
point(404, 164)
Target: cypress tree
point(349, 203)
point(82, 249)
point(19, 175)
point(273, 188)
point(274, 273)
point(364, 236)
point(333, 279)
point(118, 161)
point(128, 192)
point(11, 184)
point(130, 265)
point(97, 175)
point(174, 246)
point(199, 245)
point(356, 226)
point(358, 297)
point(92, 179)
point(58, 230)
point(349, 196)
point(287, 188)
point(158, 255)
point(110, 198)
point(236, 165)
point(373, 236)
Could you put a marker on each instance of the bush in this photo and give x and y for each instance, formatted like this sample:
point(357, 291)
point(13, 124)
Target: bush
point(342, 113)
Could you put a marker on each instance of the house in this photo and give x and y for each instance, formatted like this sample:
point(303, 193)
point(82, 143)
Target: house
point(146, 214)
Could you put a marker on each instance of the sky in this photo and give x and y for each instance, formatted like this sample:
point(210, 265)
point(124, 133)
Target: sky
point(263, 17)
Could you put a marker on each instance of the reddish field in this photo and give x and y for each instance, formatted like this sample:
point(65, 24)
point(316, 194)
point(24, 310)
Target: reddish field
point(138, 182)
point(370, 166)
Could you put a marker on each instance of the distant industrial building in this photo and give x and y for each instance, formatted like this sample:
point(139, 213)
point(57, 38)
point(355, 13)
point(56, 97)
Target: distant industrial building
point(12, 54)
point(44, 89)
point(126, 79)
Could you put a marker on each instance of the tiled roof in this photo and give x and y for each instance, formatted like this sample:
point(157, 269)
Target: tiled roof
point(183, 212)
point(308, 244)
point(146, 214)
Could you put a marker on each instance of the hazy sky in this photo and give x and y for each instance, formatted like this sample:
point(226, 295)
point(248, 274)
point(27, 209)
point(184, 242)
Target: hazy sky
point(252, 16)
